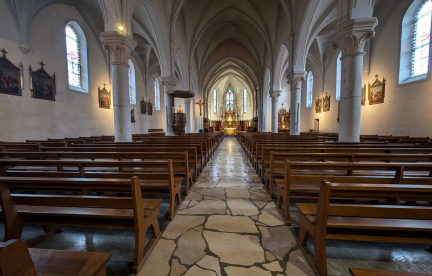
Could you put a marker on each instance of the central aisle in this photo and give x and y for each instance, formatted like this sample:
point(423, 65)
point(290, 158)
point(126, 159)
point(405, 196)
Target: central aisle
point(227, 225)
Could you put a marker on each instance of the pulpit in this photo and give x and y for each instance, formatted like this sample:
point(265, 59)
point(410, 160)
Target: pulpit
point(230, 122)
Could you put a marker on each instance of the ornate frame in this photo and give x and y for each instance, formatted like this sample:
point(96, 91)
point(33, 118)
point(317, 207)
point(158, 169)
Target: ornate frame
point(42, 74)
point(377, 83)
point(326, 99)
point(318, 105)
point(6, 63)
point(149, 108)
point(143, 107)
point(105, 92)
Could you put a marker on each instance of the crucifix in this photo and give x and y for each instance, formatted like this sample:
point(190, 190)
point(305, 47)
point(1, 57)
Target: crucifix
point(282, 105)
point(200, 103)
point(4, 52)
point(42, 64)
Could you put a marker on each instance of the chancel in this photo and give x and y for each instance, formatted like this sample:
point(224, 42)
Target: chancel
point(215, 138)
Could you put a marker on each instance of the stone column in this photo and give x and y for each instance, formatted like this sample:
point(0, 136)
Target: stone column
point(168, 83)
point(275, 100)
point(350, 36)
point(187, 110)
point(120, 47)
point(295, 79)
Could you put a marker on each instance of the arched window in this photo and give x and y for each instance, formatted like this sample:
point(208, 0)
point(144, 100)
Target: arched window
point(230, 100)
point(244, 100)
point(415, 42)
point(132, 88)
point(309, 89)
point(421, 40)
point(157, 94)
point(215, 101)
point(73, 57)
point(338, 77)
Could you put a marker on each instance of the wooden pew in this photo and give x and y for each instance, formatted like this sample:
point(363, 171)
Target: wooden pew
point(179, 159)
point(276, 164)
point(81, 211)
point(379, 272)
point(379, 223)
point(156, 177)
point(302, 179)
point(16, 259)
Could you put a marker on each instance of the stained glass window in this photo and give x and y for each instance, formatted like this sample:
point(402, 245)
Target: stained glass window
point(244, 100)
point(215, 101)
point(309, 91)
point(157, 94)
point(73, 57)
point(132, 90)
point(338, 77)
point(421, 40)
point(230, 100)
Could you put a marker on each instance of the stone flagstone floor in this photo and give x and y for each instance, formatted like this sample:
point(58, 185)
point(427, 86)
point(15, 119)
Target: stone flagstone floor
point(227, 225)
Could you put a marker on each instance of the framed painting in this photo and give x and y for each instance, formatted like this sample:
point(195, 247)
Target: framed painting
point(318, 105)
point(377, 91)
point(149, 108)
point(10, 76)
point(143, 106)
point(104, 98)
point(42, 85)
point(363, 96)
point(326, 103)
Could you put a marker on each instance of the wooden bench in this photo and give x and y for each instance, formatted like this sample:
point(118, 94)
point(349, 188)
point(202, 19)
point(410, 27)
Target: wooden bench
point(81, 211)
point(156, 177)
point(372, 223)
point(379, 272)
point(16, 260)
point(302, 179)
point(180, 160)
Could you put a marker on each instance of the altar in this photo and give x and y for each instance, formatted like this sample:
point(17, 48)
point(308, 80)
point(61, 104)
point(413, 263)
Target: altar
point(230, 122)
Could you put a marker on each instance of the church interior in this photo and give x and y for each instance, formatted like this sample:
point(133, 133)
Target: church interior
point(215, 138)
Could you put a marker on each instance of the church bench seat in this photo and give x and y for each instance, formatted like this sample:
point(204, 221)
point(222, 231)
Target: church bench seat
point(156, 177)
point(380, 272)
point(302, 179)
point(372, 223)
point(17, 259)
point(51, 211)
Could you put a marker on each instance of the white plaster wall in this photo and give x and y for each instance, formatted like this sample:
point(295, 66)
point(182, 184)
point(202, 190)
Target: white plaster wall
point(73, 113)
point(406, 109)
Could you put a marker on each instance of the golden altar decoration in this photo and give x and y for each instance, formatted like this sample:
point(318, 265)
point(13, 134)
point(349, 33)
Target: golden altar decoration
point(230, 122)
point(283, 118)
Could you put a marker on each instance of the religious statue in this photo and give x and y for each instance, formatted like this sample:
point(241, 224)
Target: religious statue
point(283, 118)
point(200, 103)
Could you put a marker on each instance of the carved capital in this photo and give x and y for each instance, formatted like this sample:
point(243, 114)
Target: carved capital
point(275, 95)
point(24, 48)
point(168, 82)
point(119, 45)
point(351, 36)
point(296, 79)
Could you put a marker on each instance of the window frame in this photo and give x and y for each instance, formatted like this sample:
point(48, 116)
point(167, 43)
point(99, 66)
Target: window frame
point(309, 90)
point(244, 100)
point(83, 58)
point(214, 101)
point(156, 85)
point(338, 85)
point(231, 100)
point(405, 47)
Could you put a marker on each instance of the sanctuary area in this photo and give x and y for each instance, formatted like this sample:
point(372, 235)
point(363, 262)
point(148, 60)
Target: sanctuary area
point(215, 138)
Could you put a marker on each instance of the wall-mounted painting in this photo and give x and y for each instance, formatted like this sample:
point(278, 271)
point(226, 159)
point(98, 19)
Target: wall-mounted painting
point(338, 112)
point(10, 76)
point(143, 106)
point(42, 85)
point(318, 105)
point(104, 98)
point(363, 96)
point(377, 91)
point(149, 108)
point(133, 115)
point(326, 103)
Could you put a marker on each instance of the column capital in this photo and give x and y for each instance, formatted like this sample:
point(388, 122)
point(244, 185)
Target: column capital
point(351, 36)
point(295, 79)
point(119, 45)
point(168, 82)
point(275, 94)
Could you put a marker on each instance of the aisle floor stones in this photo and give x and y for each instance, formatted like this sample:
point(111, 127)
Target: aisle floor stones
point(227, 225)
